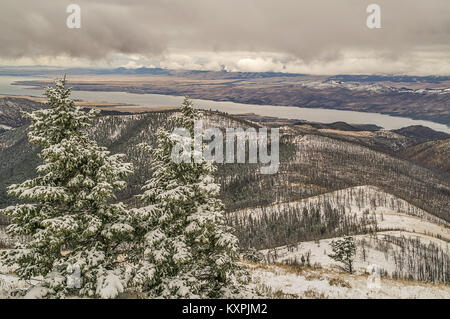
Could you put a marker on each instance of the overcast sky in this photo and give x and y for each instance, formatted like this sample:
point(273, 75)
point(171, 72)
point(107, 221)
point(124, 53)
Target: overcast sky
point(311, 36)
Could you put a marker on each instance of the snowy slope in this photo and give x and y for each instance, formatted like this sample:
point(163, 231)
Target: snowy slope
point(290, 282)
point(403, 242)
point(378, 250)
point(391, 212)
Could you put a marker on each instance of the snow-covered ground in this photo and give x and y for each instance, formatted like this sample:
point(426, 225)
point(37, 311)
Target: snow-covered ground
point(9, 282)
point(391, 212)
point(392, 248)
point(293, 282)
point(358, 200)
point(279, 281)
point(319, 250)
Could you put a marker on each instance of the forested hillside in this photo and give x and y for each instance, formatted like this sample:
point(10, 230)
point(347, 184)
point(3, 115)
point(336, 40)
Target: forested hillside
point(330, 183)
point(312, 163)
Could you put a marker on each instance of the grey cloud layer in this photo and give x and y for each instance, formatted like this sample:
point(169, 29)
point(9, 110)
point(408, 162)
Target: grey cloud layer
point(307, 30)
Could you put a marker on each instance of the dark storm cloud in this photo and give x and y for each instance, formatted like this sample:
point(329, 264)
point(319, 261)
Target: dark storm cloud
point(308, 30)
point(35, 28)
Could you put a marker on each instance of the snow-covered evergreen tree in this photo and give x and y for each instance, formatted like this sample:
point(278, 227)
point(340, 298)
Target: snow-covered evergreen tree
point(187, 250)
point(67, 216)
point(344, 251)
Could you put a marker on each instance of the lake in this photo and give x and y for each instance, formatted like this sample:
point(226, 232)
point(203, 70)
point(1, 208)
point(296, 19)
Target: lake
point(289, 112)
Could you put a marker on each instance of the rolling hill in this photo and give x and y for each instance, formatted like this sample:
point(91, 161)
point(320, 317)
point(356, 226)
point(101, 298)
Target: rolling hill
point(432, 154)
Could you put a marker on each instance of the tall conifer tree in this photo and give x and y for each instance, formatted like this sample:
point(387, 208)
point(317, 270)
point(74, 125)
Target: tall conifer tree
point(187, 249)
point(67, 216)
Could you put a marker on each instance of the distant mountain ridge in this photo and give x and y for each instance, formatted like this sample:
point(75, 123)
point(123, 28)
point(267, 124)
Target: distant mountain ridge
point(390, 78)
point(368, 78)
point(422, 132)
